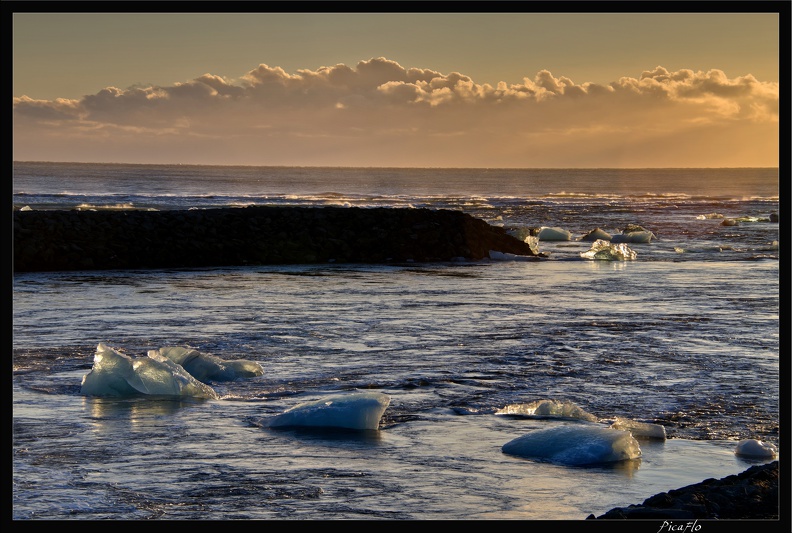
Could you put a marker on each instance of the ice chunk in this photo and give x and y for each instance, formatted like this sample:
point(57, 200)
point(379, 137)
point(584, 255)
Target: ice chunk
point(548, 409)
point(117, 374)
point(243, 368)
point(554, 234)
point(505, 256)
point(635, 236)
point(755, 448)
point(634, 233)
point(527, 235)
point(596, 235)
point(522, 233)
point(605, 251)
point(205, 367)
point(109, 374)
point(359, 410)
point(640, 429)
point(575, 445)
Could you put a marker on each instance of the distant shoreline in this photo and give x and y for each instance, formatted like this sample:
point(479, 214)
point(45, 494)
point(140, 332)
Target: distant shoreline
point(230, 165)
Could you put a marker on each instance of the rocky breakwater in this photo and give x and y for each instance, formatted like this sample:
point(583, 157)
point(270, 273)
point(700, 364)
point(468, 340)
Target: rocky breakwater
point(260, 235)
point(750, 495)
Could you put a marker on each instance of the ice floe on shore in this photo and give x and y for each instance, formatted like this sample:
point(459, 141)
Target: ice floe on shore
point(755, 448)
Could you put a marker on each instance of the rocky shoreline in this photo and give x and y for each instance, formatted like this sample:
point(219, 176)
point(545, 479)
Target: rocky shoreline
point(750, 495)
point(257, 235)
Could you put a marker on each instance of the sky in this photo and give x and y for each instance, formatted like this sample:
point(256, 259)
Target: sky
point(495, 90)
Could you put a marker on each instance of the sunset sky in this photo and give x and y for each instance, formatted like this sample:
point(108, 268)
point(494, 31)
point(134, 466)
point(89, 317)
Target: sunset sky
point(399, 89)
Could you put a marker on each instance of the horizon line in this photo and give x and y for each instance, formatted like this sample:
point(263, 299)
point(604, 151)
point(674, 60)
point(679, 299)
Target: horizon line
point(777, 167)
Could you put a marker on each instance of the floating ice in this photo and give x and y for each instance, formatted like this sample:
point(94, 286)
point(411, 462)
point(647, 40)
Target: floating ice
point(554, 234)
point(640, 429)
point(505, 256)
point(527, 235)
point(635, 234)
point(596, 234)
point(576, 445)
point(633, 237)
point(359, 410)
point(116, 374)
point(604, 251)
point(755, 448)
point(522, 233)
point(205, 367)
point(548, 409)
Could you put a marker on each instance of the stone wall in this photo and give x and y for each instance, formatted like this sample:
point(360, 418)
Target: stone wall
point(89, 240)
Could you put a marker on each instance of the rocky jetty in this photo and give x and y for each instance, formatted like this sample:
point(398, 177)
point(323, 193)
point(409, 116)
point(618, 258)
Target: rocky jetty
point(260, 235)
point(750, 495)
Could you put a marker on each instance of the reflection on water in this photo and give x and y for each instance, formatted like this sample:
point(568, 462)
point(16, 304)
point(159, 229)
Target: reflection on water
point(137, 412)
point(330, 436)
point(451, 345)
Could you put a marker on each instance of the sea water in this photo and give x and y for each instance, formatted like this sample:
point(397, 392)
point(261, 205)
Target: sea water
point(686, 335)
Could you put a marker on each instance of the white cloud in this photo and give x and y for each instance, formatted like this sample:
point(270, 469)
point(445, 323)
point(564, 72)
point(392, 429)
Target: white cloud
point(381, 111)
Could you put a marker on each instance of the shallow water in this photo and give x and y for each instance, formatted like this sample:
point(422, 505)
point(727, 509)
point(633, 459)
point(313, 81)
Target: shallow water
point(133, 459)
point(450, 344)
point(686, 336)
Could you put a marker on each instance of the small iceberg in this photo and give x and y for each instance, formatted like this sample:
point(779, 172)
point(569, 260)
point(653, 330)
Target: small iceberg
point(205, 367)
point(360, 410)
point(554, 234)
point(640, 429)
point(746, 219)
point(755, 448)
point(116, 374)
point(606, 251)
point(634, 233)
point(576, 445)
point(523, 233)
point(596, 235)
point(548, 409)
point(495, 255)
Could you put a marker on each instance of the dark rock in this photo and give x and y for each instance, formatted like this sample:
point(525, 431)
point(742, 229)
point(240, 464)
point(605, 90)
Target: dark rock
point(100, 240)
point(750, 495)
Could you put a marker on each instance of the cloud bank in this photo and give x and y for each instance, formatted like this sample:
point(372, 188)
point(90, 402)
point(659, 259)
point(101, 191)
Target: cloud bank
point(379, 113)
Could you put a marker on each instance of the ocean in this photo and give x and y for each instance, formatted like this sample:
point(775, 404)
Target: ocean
point(685, 335)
